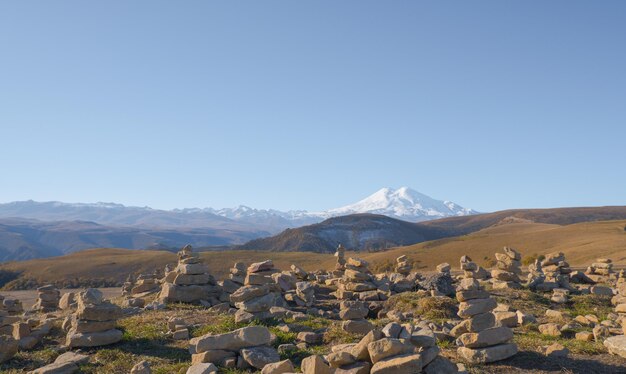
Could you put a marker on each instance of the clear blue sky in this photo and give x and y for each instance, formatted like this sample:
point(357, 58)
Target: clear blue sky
point(312, 105)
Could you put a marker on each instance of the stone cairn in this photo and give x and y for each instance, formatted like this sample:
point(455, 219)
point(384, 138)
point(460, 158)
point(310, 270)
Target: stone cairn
point(600, 270)
point(8, 345)
point(402, 280)
point(402, 265)
point(509, 268)
point(480, 340)
point(535, 275)
point(617, 344)
point(127, 287)
point(145, 285)
point(357, 282)
point(340, 266)
point(472, 269)
point(94, 322)
point(353, 314)
point(259, 293)
point(236, 278)
point(245, 348)
point(396, 349)
point(556, 271)
point(190, 281)
point(47, 299)
point(12, 306)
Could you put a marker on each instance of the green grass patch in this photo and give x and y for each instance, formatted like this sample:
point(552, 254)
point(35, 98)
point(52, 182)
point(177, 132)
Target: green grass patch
point(580, 305)
point(532, 340)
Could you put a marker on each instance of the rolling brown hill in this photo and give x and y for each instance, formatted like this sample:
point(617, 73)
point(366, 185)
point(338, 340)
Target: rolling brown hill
point(356, 231)
point(375, 232)
point(558, 216)
point(581, 242)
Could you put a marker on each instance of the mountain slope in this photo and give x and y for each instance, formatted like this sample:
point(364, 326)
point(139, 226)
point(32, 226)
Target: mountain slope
point(22, 239)
point(366, 231)
point(557, 216)
point(358, 232)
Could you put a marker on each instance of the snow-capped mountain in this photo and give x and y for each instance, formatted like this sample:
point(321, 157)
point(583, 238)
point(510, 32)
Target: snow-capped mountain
point(403, 203)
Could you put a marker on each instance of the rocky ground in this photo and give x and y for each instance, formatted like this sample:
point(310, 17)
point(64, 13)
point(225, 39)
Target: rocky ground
point(409, 324)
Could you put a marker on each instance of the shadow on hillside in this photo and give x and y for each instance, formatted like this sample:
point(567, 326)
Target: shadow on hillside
point(575, 364)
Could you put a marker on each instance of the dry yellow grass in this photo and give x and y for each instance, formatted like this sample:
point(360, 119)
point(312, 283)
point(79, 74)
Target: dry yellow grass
point(582, 243)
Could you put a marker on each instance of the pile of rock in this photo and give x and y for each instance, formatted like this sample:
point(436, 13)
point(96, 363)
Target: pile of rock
point(94, 322)
point(472, 269)
point(600, 270)
point(341, 261)
point(47, 299)
point(8, 345)
point(236, 278)
point(402, 265)
point(190, 281)
point(68, 301)
point(357, 282)
point(305, 294)
point(146, 284)
point(509, 268)
point(245, 348)
point(177, 328)
point(259, 293)
point(556, 271)
point(353, 314)
point(535, 275)
point(617, 344)
point(395, 349)
point(480, 340)
point(29, 333)
point(12, 306)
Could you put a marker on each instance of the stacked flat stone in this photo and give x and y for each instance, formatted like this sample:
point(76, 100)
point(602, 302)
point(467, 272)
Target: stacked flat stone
point(12, 306)
point(341, 259)
point(245, 348)
point(353, 314)
point(236, 278)
point(600, 270)
point(509, 268)
point(395, 349)
point(621, 277)
point(127, 287)
point(190, 281)
point(535, 275)
point(556, 271)
point(8, 345)
point(259, 293)
point(146, 284)
point(472, 269)
point(305, 294)
point(95, 320)
point(402, 265)
point(47, 299)
point(6, 320)
point(358, 283)
point(29, 333)
point(617, 344)
point(480, 340)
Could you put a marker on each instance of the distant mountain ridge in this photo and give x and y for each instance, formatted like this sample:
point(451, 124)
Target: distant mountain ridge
point(403, 203)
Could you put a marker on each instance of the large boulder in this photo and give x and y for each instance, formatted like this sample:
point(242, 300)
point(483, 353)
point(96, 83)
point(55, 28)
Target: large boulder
point(250, 336)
